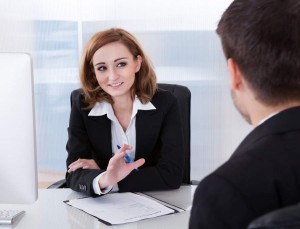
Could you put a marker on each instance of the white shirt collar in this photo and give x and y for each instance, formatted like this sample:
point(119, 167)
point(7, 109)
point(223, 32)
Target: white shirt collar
point(265, 119)
point(103, 108)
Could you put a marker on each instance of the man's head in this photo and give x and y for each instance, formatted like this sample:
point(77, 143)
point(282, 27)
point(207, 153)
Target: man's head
point(262, 37)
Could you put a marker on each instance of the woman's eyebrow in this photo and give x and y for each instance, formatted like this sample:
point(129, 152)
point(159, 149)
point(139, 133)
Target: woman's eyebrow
point(121, 58)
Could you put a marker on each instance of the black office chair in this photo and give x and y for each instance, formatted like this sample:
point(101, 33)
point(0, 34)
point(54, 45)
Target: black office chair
point(183, 95)
point(284, 218)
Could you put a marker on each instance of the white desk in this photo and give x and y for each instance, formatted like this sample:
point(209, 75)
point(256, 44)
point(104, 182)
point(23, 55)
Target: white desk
point(49, 211)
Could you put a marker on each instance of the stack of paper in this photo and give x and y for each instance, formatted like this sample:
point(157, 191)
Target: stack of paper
point(119, 208)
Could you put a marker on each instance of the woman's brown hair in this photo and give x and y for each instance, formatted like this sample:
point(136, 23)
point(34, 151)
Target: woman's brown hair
point(145, 81)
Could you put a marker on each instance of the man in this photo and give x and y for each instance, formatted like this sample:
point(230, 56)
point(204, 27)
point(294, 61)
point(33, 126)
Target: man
point(261, 42)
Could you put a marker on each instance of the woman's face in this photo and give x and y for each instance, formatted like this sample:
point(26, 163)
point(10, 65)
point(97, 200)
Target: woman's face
point(115, 69)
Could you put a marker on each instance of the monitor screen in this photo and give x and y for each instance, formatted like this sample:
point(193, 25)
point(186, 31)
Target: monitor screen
point(18, 168)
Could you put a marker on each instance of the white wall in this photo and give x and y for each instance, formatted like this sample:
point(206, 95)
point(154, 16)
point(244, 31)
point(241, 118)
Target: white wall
point(180, 38)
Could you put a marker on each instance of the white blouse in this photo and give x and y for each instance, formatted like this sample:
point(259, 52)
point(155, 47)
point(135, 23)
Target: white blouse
point(119, 137)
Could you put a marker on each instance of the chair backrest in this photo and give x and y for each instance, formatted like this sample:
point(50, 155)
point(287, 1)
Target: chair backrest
point(183, 96)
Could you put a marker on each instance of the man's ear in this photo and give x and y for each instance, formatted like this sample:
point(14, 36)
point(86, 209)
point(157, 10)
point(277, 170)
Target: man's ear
point(236, 77)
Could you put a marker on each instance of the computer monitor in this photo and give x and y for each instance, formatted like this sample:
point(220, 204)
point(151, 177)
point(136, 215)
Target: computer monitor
point(18, 163)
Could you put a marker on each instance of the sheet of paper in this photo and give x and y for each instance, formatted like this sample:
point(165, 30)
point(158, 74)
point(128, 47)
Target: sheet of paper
point(181, 198)
point(119, 208)
point(176, 208)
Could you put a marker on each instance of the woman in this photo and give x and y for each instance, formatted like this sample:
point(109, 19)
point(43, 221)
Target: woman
point(121, 112)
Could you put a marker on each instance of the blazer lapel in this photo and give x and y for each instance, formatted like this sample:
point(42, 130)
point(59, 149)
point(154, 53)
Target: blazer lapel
point(100, 129)
point(148, 126)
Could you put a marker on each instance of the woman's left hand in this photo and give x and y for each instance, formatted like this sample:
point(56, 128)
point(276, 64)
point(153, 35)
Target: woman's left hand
point(84, 164)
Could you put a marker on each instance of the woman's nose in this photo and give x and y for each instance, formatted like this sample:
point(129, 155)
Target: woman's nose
point(113, 74)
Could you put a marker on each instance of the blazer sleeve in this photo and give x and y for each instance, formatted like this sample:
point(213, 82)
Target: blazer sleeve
point(79, 146)
point(165, 163)
point(218, 204)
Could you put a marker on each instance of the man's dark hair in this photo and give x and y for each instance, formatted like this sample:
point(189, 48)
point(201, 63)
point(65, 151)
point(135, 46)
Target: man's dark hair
point(263, 37)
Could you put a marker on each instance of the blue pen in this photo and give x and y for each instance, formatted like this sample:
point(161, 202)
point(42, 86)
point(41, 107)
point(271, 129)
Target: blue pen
point(127, 158)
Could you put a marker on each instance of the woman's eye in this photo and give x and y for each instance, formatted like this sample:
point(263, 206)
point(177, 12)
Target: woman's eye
point(101, 68)
point(121, 64)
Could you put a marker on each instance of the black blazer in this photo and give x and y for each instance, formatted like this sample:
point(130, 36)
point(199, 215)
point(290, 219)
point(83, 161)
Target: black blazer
point(158, 139)
point(262, 175)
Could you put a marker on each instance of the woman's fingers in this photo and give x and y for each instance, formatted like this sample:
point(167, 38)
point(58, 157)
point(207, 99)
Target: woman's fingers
point(134, 164)
point(125, 147)
point(137, 163)
point(84, 164)
point(74, 167)
point(120, 155)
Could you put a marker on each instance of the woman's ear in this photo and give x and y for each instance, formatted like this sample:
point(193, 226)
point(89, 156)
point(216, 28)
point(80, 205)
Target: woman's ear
point(139, 61)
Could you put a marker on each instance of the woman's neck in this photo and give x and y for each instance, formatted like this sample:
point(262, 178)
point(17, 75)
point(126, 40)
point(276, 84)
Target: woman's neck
point(123, 110)
point(122, 104)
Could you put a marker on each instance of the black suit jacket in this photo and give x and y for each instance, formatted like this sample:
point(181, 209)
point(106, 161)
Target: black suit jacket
point(158, 139)
point(262, 175)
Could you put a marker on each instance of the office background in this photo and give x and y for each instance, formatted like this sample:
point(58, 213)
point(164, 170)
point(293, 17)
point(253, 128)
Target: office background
point(179, 36)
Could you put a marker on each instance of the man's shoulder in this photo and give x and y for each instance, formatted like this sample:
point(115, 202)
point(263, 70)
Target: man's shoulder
point(218, 203)
point(239, 175)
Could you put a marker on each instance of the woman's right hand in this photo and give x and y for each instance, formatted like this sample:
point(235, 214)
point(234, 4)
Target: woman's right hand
point(118, 169)
point(84, 164)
